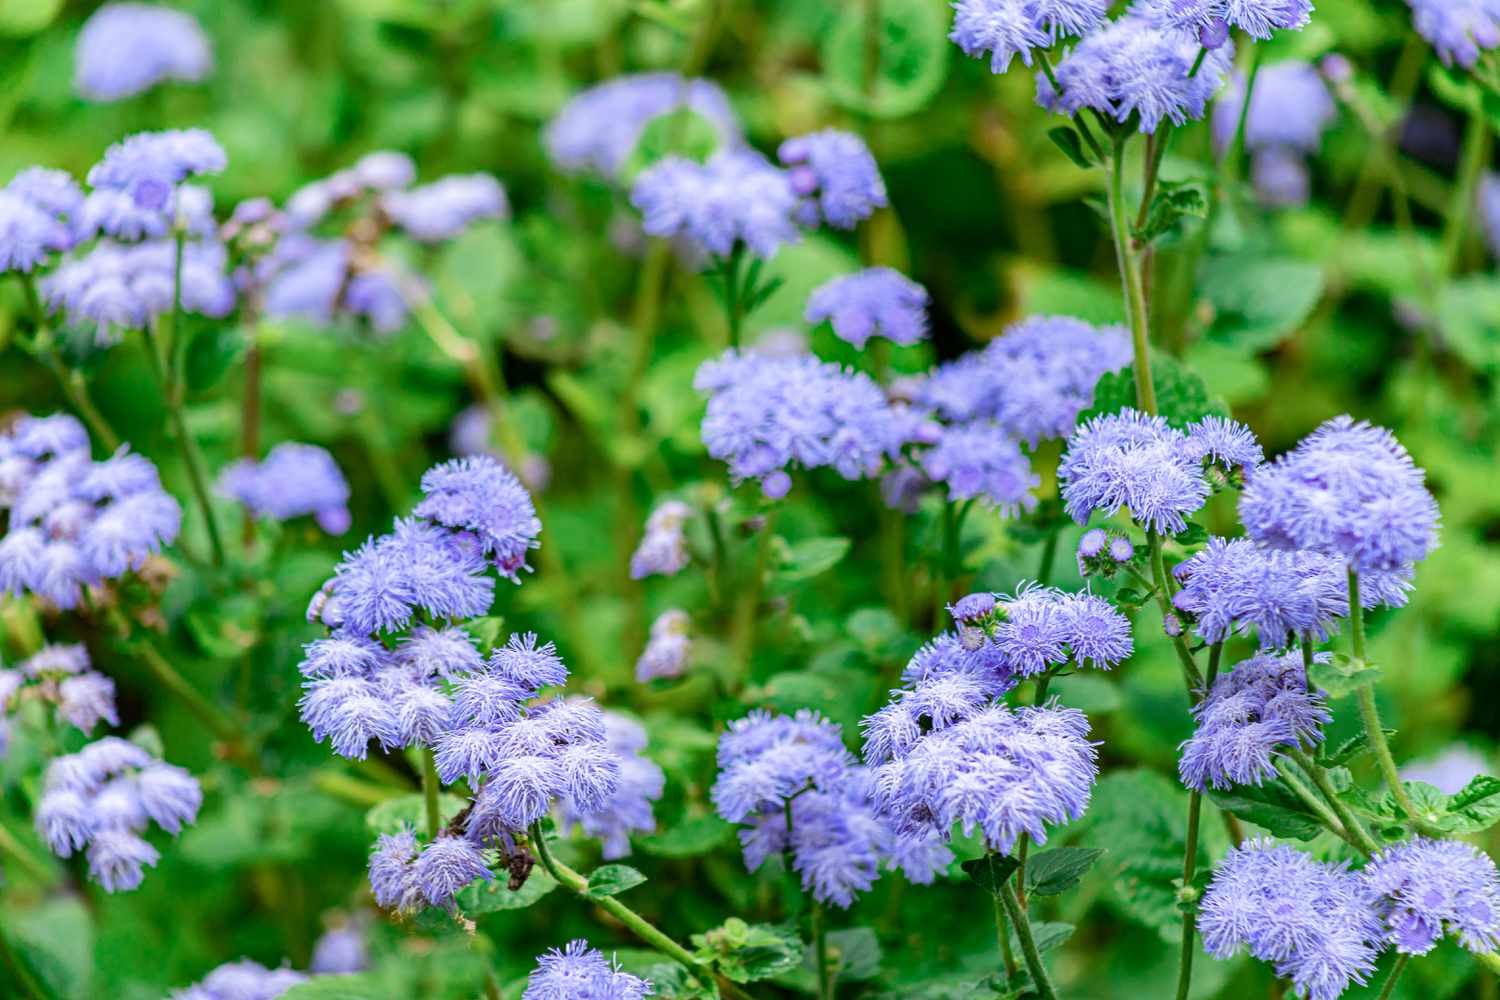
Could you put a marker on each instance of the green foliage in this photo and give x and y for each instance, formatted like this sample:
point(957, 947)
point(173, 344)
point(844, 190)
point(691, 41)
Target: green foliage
point(748, 953)
point(1060, 869)
point(611, 880)
point(1181, 395)
point(908, 51)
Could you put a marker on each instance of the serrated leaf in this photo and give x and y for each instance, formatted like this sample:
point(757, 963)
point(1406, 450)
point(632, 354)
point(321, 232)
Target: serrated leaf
point(811, 557)
point(1174, 203)
point(1272, 806)
point(1476, 806)
point(1345, 752)
point(1342, 674)
point(1181, 395)
point(1059, 869)
point(493, 895)
point(991, 871)
point(611, 880)
point(747, 953)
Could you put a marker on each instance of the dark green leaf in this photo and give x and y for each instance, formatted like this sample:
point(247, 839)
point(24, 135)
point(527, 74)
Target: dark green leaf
point(1060, 869)
point(1344, 752)
point(1271, 806)
point(494, 894)
point(1174, 203)
point(611, 880)
point(1476, 806)
point(1193, 534)
point(211, 353)
point(1342, 675)
point(1069, 142)
point(855, 953)
point(747, 953)
point(991, 871)
point(1181, 395)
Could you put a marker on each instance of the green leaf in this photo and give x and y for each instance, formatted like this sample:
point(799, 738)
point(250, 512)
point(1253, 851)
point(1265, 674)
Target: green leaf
point(1258, 301)
point(912, 53)
point(855, 952)
point(402, 811)
point(1342, 675)
point(55, 939)
point(611, 880)
point(1047, 934)
point(991, 871)
point(683, 133)
point(1193, 534)
point(747, 953)
point(688, 838)
point(1272, 806)
point(1131, 596)
point(212, 353)
point(1069, 142)
point(1181, 395)
point(1058, 870)
point(811, 557)
point(1346, 751)
point(1476, 806)
point(359, 986)
point(495, 894)
point(1174, 203)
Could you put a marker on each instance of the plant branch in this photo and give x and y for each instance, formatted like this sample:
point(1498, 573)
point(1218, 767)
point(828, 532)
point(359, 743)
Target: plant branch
point(1040, 981)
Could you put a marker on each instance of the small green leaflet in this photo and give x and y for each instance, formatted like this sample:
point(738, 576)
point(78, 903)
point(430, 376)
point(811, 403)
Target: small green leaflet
point(611, 880)
point(1060, 869)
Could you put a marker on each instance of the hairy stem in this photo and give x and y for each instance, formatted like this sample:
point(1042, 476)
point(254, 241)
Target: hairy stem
point(431, 788)
point(1002, 930)
point(1355, 830)
point(1190, 849)
point(1131, 281)
point(1369, 712)
point(820, 949)
point(1399, 966)
point(1029, 952)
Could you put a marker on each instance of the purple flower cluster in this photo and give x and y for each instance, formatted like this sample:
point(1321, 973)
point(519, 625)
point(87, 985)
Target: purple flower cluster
point(443, 209)
point(1460, 30)
point(600, 128)
point(663, 548)
point(1101, 552)
point(1263, 704)
point(405, 875)
point(1310, 919)
point(767, 413)
point(734, 199)
point(242, 980)
point(101, 798)
point(1141, 463)
point(1210, 20)
point(978, 460)
point(482, 498)
point(1034, 379)
point(836, 177)
point(1131, 67)
point(1348, 490)
point(667, 647)
point(75, 522)
point(1290, 110)
point(629, 809)
point(38, 211)
point(293, 481)
point(126, 49)
point(877, 301)
point(372, 174)
point(1040, 628)
point(579, 972)
point(149, 166)
point(978, 765)
point(798, 792)
point(1423, 889)
point(118, 287)
point(61, 675)
point(1010, 28)
point(1232, 587)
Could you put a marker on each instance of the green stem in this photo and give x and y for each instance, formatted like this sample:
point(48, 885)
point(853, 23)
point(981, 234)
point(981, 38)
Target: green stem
point(1370, 713)
point(638, 925)
point(1002, 930)
point(431, 789)
point(1033, 957)
point(1163, 590)
point(1024, 848)
point(1472, 160)
point(1049, 557)
point(1357, 834)
point(820, 948)
point(1131, 281)
point(1317, 805)
point(10, 845)
point(1156, 149)
point(1389, 989)
point(70, 379)
point(1190, 850)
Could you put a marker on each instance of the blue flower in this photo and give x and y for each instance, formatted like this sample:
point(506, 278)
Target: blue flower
point(577, 972)
point(294, 480)
point(117, 287)
point(1133, 68)
point(836, 177)
point(1135, 461)
point(149, 166)
point(1460, 30)
point(600, 128)
point(1308, 918)
point(1290, 109)
point(480, 495)
point(1210, 20)
point(667, 647)
point(734, 199)
point(29, 233)
point(978, 460)
point(445, 866)
point(663, 547)
point(126, 49)
point(242, 980)
point(877, 301)
point(628, 810)
point(390, 870)
point(444, 209)
point(1010, 28)
point(1244, 721)
point(1424, 889)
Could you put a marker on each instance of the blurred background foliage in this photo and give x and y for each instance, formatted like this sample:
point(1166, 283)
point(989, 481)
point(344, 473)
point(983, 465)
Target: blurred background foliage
point(1288, 316)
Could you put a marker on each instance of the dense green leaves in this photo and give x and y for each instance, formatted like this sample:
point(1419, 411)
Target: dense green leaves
point(1258, 300)
point(1270, 805)
point(746, 953)
point(889, 69)
point(1181, 395)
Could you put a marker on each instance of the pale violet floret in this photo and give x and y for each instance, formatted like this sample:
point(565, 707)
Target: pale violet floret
point(579, 972)
point(835, 175)
point(126, 49)
point(1424, 889)
point(668, 647)
point(294, 480)
point(628, 810)
point(663, 547)
point(1210, 20)
point(149, 166)
point(1132, 70)
point(599, 128)
point(734, 199)
point(1460, 30)
point(445, 208)
point(341, 950)
point(1291, 108)
point(481, 496)
point(38, 217)
point(242, 980)
point(60, 675)
point(875, 302)
point(979, 461)
point(1007, 29)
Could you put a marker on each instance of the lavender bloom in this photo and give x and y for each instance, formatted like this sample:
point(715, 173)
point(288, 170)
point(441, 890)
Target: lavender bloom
point(149, 166)
point(984, 768)
point(443, 209)
point(74, 522)
point(87, 699)
point(578, 971)
point(445, 866)
point(1263, 704)
point(1132, 67)
point(1458, 29)
point(1210, 20)
point(1034, 380)
point(480, 495)
point(1139, 462)
point(1280, 178)
point(340, 951)
point(126, 49)
point(663, 548)
point(1231, 587)
point(102, 797)
point(1487, 201)
point(122, 287)
point(1448, 772)
point(599, 128)
point(835, 175)
point(36, 212)
point(629, 809)
point(971, 607)
point(305, 278)
point(667, 647)
point(765, 414)
point(877, 301)
point(1348, 490)
point(736, 198)
point(978, 460)
point(293, 481)
point(390, 870)
point(1424, 889)
point(1290, 109)
point(1010, 28)
point(1308, 918)
point(242, 980)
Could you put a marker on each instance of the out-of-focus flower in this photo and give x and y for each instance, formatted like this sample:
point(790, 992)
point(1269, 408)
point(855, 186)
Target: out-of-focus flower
point(836, 177)
point(877, 301)
point(294, 480)
point(734, 199)
point(667, 647)
point(445, 208)
point(1460, 30)
point(126, 49)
